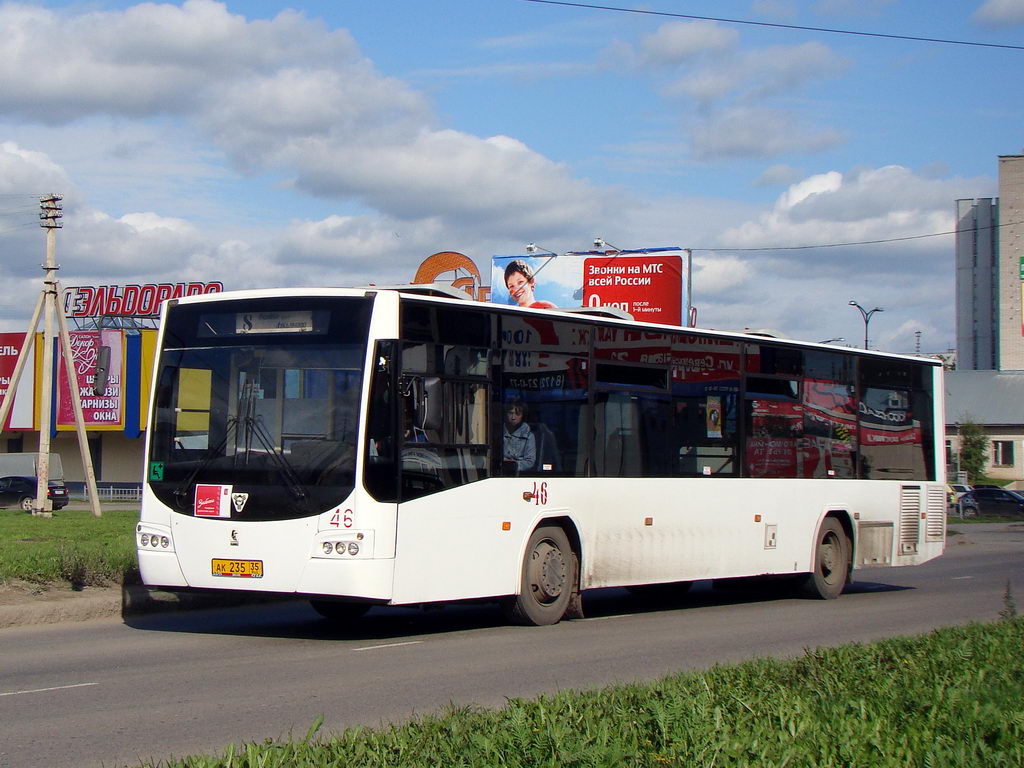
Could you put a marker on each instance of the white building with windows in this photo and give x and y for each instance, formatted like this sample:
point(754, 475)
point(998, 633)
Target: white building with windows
point(994, 400)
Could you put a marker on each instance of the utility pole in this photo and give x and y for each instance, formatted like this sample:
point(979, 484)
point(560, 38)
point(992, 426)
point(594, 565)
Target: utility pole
point(49, 305)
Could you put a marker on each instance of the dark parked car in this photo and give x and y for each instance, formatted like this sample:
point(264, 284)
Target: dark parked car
point(995, 501)
point(17, 491)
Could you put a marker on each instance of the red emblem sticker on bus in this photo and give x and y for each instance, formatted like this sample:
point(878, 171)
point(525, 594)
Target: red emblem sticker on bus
point(213, 501)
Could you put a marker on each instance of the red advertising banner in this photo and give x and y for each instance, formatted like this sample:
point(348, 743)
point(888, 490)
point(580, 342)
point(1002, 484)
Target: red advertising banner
point(102, 410)
point(22, 410)
point(648, 287)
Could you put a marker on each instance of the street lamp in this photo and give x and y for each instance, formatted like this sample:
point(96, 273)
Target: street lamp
point(866, 314)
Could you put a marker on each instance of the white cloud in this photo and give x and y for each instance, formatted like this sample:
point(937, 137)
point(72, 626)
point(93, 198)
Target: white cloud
point(289, 97)
point(497, 182)
point(680, 41)
point(809, 289)
point(759, 74)
point(999, 13)
point(24, 169)
point(149, 59)
point(775, 175)
point(865, 204)
point(749, 132)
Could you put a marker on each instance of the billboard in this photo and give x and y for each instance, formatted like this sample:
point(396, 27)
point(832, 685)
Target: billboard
point(102, 410)
point(22, 414)
point(648, 284)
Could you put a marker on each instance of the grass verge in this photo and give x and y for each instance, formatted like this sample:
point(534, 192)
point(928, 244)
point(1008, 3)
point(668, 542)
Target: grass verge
point(72, 547)
point(954, 697)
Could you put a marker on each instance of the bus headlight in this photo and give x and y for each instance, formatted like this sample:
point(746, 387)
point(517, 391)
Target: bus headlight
point(353, 548)
point(328, 547)
point(152, 540)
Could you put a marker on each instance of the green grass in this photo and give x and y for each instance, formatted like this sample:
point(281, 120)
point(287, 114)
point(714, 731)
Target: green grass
point(71, 548)
point(951, 698)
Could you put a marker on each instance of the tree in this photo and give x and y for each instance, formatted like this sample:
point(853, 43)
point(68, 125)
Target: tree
point(973, 450)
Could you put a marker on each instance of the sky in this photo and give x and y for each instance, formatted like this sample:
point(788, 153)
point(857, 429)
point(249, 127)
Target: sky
point(341, 143)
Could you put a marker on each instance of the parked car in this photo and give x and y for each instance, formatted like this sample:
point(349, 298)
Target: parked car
point(958, 489)
point(995, 501)
point(20, 491)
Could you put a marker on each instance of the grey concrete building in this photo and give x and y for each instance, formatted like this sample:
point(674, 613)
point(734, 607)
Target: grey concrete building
point(990, 274)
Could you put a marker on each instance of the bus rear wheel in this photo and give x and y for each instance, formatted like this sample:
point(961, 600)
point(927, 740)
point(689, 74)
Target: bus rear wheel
point(546, 582)
point(338, 611)
point(831, 563)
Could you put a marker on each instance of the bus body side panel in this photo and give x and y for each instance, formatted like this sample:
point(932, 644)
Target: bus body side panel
point(451, 546)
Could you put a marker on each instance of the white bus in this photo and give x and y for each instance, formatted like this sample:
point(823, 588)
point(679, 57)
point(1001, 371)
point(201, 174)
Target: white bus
point(353, 446)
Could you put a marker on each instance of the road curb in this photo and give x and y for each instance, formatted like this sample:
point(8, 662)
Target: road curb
point(110, 602)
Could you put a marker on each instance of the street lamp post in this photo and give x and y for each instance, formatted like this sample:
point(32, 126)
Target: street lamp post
point(866, 314)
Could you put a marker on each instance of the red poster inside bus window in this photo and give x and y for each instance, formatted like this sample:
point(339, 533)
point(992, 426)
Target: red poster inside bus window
point(213, 501)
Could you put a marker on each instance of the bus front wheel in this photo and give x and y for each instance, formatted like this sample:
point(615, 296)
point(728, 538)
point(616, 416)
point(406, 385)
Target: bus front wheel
point(546, 581)
point(831, 563)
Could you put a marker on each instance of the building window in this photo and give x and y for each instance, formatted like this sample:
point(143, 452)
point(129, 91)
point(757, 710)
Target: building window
point(1002, 453)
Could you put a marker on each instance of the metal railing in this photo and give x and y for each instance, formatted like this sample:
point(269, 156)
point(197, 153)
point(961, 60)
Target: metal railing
point(116, 494)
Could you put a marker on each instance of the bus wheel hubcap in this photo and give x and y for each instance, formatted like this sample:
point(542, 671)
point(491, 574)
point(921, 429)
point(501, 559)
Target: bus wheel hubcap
point(548, 572)
point(829, 556)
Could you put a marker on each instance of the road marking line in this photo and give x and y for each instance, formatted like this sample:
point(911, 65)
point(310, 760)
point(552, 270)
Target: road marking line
point(605, 618)
point(961, 578)
point(387, 645)
point(45, 690)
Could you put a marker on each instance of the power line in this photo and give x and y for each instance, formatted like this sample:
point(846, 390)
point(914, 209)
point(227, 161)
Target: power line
point(860, 242)
point(777, 25)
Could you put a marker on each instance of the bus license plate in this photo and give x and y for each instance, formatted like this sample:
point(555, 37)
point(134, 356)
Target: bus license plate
point(246, 569)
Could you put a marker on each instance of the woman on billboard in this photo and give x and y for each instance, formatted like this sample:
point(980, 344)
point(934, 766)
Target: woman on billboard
point(520, 281)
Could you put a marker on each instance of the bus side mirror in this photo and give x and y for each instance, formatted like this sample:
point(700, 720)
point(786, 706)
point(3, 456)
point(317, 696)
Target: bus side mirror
point(424, 401)
point(102, 375)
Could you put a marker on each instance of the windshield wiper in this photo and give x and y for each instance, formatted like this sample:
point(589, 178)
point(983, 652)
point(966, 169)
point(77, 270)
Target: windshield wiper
point(253, 426)
point(182, 489)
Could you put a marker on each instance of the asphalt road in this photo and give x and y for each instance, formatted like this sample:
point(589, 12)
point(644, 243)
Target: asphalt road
point(111, 693)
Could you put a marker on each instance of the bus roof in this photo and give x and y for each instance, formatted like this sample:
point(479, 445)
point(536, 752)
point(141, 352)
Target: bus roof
point(447, 294)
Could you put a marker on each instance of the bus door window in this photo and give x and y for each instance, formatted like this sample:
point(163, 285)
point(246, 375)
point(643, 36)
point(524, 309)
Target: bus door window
point(445, 392)
point(830, 415)
point(774, 424)
point(632, 421)
point(632, 409)
point(544, 365)
point(705, 383)
point(892, 439)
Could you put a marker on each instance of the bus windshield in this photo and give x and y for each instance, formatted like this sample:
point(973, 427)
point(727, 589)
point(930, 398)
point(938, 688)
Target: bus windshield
point(259, 399)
